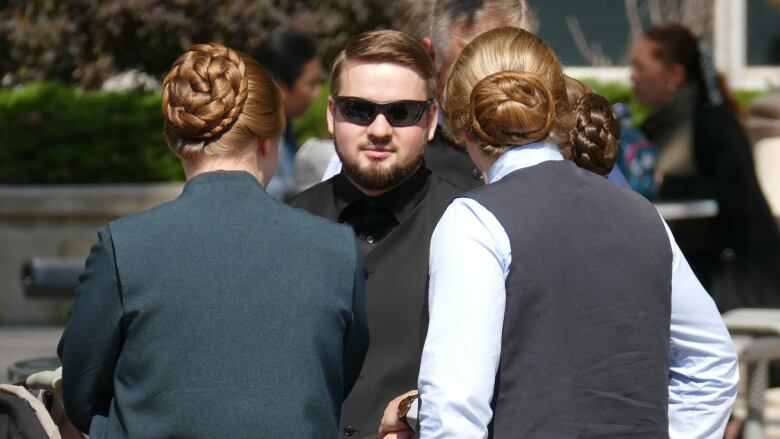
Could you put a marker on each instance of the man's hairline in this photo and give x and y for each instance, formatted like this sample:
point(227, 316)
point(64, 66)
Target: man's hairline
point(346, 60)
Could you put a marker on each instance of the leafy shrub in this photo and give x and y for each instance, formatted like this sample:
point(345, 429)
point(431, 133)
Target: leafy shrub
point(314, 122)
point(83, 42)
point(50, 133)
point(616, 92)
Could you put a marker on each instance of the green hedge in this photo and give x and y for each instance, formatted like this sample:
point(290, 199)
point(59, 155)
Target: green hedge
point(51, 133)
point(314, 122)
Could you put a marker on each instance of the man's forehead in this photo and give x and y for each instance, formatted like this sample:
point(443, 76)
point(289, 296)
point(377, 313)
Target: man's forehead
point(381, 81)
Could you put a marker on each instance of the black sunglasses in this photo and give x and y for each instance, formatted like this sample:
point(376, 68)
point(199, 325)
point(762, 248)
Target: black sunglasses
point(398, 113)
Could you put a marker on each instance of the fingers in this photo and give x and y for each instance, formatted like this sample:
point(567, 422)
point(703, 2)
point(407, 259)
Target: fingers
point(391, 427)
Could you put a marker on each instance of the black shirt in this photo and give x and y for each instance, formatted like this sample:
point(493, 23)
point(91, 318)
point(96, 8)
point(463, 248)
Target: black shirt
point(395, 232)
point(373, 218)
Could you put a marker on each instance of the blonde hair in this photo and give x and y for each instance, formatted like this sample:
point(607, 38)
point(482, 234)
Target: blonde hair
point(507, 89)
point(215, 100)
point(389, 46)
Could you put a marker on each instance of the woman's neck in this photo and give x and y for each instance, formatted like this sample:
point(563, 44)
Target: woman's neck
point(194, 167)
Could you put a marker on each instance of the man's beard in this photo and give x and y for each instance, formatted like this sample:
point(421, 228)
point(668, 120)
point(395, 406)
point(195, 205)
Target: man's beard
point(379, 178)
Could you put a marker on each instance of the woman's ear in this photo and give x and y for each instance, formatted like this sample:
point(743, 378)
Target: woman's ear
point(267, 158)
point(264, 147)
point(468, 138)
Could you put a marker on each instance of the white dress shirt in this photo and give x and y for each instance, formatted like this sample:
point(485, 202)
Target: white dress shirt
point(469, 262)
point(334, 167)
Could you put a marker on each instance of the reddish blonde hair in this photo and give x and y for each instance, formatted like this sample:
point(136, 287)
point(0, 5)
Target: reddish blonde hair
point(215, 100)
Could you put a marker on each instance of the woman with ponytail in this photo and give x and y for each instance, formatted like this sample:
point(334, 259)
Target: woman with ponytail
point(222, 313)
point(703, 152)
point(559, 304)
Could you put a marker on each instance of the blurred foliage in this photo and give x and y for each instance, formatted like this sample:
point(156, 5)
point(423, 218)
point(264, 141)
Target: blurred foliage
point(314, 123)
point(50, 133)
point(616, 92)
point(83, 42)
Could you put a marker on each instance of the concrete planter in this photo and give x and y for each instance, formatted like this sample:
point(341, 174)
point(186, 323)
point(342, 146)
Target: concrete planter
point(59, 221)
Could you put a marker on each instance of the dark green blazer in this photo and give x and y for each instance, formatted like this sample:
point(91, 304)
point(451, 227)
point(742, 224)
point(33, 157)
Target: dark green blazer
point(223, 313)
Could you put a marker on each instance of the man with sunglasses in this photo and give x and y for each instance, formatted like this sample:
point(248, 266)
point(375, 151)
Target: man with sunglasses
point(453, 23)
point(382, 114)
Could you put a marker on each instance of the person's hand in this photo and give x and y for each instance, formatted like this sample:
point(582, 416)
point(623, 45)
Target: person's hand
point(392, 427)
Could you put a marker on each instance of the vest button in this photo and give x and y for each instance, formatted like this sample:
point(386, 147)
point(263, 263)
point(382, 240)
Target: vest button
point(476, 174)
point(370, 239)
point(349, 431)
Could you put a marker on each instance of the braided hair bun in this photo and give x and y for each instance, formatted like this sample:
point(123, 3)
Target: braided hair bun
point(511, 108)
point(204, 92)
point(595, 136)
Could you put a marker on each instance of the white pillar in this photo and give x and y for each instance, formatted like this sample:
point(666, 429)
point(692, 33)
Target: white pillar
point(730, 35)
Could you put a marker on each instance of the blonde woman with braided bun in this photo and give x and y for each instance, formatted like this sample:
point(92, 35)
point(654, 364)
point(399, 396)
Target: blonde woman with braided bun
point(560, 305)
point(222, 313)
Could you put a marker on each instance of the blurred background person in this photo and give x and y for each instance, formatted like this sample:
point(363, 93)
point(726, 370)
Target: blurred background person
point(292, 59)
point(704, 153)
point(222, 313)
point(636, 154)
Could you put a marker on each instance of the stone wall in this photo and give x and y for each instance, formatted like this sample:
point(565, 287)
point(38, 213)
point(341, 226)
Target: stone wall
point(58, 221)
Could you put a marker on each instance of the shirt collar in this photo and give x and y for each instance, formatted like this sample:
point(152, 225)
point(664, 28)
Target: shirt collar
point(400, 201)
point(220, 176)
point(521, 157)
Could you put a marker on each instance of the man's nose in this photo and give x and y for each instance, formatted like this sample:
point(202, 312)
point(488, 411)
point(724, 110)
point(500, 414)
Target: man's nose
point(380, 129)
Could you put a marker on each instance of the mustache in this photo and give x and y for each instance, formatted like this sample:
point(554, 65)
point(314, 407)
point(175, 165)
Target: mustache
point(391, 147)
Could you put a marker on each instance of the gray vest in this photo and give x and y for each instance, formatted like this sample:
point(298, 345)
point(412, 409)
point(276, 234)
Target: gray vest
point(585, 344)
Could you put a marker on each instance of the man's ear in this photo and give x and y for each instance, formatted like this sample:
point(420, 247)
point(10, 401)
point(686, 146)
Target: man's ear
point(284, 88)
point(331, 115)
point(677, 75)
point(428, 46)
point(433, 120)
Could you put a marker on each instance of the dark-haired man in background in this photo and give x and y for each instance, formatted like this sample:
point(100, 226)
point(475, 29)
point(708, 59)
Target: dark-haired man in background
point(291, 58)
